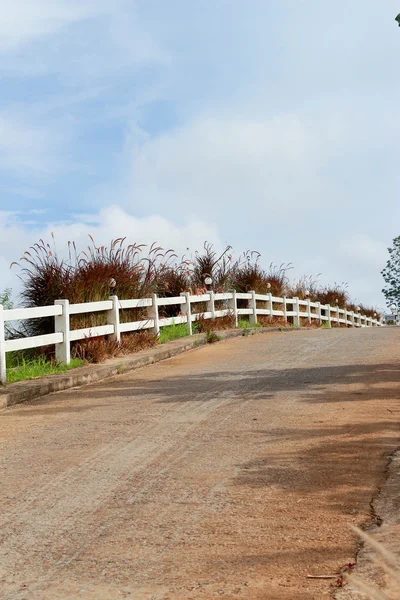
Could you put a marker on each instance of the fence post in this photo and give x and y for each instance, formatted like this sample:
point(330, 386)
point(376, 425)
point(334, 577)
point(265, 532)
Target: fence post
point(62, 325)
point(284, 309)
point(232, 304)
point(352, 318)
point(3, 369)
point(270, 306)
point(253, 306)
point(337, 315)
point(187, 311)
point(153, 314)
point(113, 319)
point(319, 312)
point(309, 310)
point(328, 314)
point(296, 307)
point(211, 304)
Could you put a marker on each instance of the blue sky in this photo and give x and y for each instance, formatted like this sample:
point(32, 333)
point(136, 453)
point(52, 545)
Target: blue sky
point(265, 125)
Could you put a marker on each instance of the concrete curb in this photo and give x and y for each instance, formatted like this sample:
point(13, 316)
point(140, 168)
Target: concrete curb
point(23, 391)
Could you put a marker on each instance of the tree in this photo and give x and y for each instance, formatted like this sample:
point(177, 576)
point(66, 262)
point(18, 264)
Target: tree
point(398, 19)
point(5, 298)
point(391, 275)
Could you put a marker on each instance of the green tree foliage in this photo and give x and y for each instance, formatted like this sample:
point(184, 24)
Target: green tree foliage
point(398, 19)
point(5, 299)
point(391, 274)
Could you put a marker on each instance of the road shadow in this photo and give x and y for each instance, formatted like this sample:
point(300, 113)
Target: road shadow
point(336, 465)
point(315, 384)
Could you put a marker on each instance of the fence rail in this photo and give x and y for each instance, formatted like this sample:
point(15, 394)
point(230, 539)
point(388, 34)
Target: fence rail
point(299, 311)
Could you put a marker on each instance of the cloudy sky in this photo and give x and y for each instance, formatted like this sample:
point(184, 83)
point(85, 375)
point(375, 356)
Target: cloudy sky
point(266, 125)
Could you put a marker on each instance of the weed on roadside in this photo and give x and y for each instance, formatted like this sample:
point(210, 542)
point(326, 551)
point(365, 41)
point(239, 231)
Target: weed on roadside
point(173, 332)
point(242, 324)
point(212, 337)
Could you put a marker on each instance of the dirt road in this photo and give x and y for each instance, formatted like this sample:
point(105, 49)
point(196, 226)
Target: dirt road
point(231, 471)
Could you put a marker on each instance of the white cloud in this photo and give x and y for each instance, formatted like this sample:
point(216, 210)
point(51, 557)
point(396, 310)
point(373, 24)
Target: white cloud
point(28, 149)
point(365, 252)
point(222, 164)
point(24, 21)
point(80, 40)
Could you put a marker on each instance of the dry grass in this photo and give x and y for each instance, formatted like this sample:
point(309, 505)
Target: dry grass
point(203, 325)
point(99, 349)
point(266, 321)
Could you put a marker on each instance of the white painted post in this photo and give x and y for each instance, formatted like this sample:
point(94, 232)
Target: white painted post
point(153, 314)
point(352, 318)
point(253, 306)
point(309, 310)
point(319, 312)
point(113, 319)
point(62, 325)
point(211, 304)
point(232, 304)
point(328, 314)
point(270, 306)
point(284, 309)
point(3, 369)
point(187, 311)
point(337, 315)
point(296, 309)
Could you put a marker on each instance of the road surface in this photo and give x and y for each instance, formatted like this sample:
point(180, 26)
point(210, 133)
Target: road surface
point(231, 471)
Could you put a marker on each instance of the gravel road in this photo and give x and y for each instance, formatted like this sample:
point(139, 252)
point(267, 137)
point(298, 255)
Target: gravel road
point(231, 471)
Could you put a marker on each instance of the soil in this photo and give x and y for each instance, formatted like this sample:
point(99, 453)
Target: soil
point(232, 471)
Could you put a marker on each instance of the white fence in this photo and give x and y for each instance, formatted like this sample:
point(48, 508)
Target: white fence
point(301, 311)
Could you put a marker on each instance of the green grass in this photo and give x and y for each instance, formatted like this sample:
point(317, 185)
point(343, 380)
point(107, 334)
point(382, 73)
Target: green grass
point(173, 332)
point(38, 367)
point(242, 324)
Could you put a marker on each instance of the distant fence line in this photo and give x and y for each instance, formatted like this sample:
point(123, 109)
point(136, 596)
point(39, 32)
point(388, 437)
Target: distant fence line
point(299, 311)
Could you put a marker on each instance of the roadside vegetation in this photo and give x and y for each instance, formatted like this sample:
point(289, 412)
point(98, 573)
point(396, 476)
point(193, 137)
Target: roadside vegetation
point(38, 367)
point(173, 332)
point(137, 271)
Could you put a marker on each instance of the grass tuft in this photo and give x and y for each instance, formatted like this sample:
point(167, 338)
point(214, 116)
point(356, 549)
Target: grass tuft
point(242, 324)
